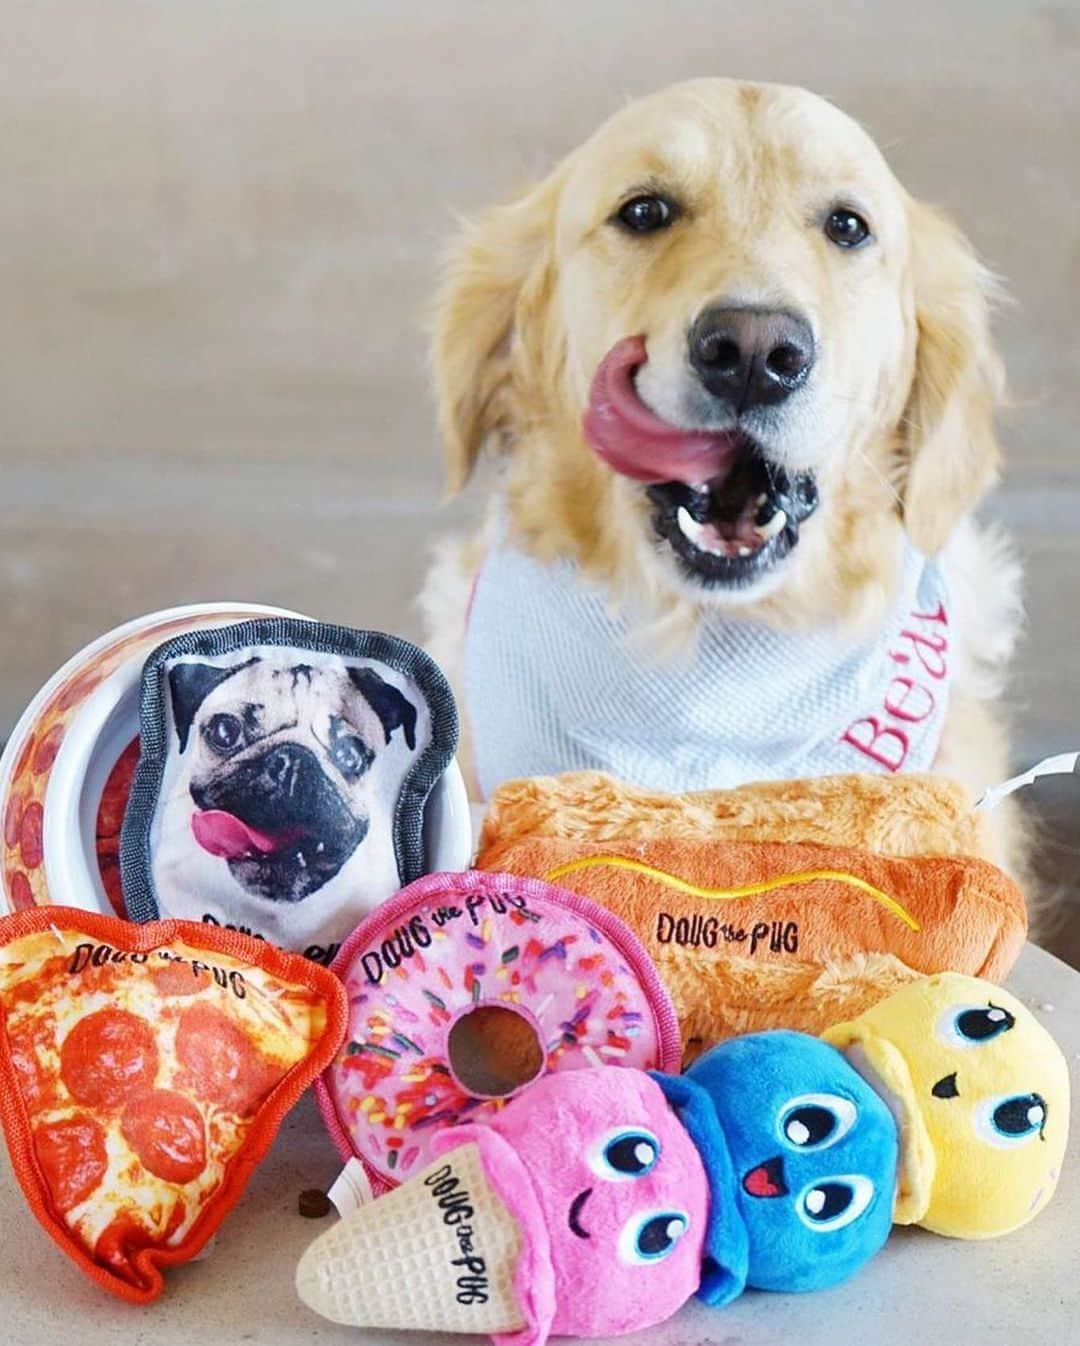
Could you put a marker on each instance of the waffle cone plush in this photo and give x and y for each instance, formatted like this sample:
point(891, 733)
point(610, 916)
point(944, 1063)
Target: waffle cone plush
point(401, 1263)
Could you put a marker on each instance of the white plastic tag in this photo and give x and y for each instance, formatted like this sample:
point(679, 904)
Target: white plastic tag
point(351, 1188)
point(1063, 764)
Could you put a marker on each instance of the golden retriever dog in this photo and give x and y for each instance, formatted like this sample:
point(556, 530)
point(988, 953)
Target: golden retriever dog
point(738, 387)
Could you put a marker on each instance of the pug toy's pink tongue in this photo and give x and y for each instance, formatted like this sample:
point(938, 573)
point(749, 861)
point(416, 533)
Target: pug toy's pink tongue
point(224, 835)
point(631, 439)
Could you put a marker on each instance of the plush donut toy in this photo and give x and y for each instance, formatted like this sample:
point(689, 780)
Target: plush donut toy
point(438, 979)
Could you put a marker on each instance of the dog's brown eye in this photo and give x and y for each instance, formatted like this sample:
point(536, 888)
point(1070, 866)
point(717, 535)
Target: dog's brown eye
point(646, 214)
point(351, 756)
point(846, 228)
point(223, 732)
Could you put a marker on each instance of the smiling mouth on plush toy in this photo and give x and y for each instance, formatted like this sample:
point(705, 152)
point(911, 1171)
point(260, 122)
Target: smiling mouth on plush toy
point(767, 1180)
point(726, 508)
point(576, 1207)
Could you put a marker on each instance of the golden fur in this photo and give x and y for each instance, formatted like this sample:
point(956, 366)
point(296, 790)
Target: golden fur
point(898, 427)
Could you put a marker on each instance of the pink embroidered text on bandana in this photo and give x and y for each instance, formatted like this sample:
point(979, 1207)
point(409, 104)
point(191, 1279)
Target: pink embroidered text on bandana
point(553, 684)
point(920, 682)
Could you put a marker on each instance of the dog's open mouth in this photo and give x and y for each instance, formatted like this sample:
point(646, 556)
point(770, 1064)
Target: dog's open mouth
point(726, 508)
point(278, 823)
point(734, 527)
point(283, 865)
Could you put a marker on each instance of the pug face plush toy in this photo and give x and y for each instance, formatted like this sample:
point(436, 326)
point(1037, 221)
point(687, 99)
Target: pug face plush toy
point(279, 768)
point(283, 773)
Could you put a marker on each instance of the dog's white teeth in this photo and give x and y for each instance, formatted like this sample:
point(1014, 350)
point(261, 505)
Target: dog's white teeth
point(771, 527)
point(745, 551)
point(300, 860)
point(689, 526)
point(761, 500)
point(320, 848)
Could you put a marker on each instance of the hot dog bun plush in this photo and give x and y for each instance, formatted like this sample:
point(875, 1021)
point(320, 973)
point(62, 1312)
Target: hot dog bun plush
point(780, 905)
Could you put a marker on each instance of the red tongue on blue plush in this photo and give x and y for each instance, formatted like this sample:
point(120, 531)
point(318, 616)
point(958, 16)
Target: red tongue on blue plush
point(766, 1180)
point(224, 835)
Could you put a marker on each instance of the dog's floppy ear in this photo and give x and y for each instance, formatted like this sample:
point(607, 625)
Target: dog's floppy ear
point(473, 321)
point(950, 452)
point(393, 708)
point(190, 685)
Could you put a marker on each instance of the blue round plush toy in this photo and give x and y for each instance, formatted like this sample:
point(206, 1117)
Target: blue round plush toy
point(802, 1161)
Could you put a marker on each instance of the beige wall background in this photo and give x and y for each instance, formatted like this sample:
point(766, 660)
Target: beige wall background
point(219, 222)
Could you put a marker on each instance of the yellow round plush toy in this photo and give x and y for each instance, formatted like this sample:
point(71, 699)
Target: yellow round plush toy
point(981, 1093)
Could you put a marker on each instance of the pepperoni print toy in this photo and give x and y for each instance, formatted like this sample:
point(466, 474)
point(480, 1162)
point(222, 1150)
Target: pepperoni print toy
point(417, 970)
point(143, 1073)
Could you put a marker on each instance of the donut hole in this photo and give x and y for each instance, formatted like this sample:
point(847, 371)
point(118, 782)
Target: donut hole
point(494, 1051)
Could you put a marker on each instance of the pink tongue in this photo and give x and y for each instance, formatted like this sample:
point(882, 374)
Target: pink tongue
point(629, 438)
point(224, 835)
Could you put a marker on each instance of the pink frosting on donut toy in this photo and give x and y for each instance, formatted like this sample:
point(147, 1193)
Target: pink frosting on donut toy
point(451, 944)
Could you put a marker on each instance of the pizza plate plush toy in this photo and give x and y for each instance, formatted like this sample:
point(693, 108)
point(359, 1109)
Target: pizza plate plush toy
point(144, 1071)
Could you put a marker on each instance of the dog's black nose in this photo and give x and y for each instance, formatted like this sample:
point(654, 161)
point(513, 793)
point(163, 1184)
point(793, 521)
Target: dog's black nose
point(281, 767)
point(751, 357)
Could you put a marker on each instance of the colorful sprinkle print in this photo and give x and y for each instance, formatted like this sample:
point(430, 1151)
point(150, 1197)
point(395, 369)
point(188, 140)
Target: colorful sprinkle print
point(392, 1085)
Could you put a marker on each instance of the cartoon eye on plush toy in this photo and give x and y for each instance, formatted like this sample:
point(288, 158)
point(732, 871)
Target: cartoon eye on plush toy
point(982, 1091)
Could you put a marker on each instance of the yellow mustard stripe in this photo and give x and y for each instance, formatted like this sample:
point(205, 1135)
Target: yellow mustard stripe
point(730, 894)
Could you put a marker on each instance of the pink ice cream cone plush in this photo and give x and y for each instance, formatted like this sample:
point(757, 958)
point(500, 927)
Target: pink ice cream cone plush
point(581, 1209)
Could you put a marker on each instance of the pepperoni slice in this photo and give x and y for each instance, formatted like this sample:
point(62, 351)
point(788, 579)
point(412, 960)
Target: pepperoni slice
point(167, 1132)
point(12, 819)
point(107, 1057)
point(114, 796)
point(176, 976)
point(73, 1159)
point(19, 890)
point(30, 835)
point(223, 1065)
point(46, 750)
point(80, 689)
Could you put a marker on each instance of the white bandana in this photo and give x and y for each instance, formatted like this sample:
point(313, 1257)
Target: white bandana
point(551, 685)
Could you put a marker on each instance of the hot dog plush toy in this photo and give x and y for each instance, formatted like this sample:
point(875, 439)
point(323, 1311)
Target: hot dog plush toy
point(786, 904)
point(598, 1201)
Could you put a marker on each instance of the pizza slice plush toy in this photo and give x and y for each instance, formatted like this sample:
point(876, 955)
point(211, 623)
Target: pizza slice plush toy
point(144, 1071)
